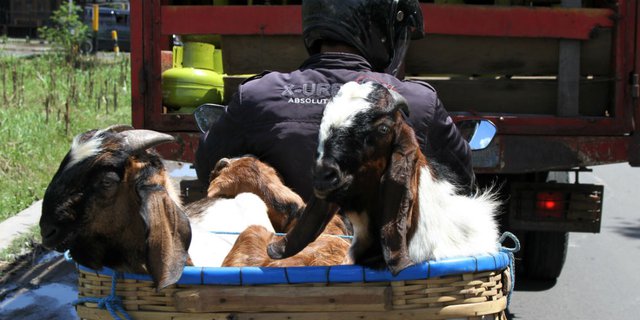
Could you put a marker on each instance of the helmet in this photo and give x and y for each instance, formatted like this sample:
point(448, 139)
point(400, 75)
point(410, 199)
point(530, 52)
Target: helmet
point(379, 29)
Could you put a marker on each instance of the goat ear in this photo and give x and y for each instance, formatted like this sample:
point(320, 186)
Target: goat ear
point(397, 197)
point(140, 140)
point(310, 225)
point(168, 235)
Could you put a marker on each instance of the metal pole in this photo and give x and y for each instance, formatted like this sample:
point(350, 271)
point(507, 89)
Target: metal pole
point(114, 36)
point(96, 25)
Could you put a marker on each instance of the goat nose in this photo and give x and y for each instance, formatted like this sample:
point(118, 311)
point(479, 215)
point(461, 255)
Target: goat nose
point(48, 234)
point(326, 177)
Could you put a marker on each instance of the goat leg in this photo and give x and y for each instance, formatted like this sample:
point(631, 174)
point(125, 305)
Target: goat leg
point(311, 223)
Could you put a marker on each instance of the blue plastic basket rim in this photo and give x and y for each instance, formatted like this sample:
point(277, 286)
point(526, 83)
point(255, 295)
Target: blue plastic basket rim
point(240, 276)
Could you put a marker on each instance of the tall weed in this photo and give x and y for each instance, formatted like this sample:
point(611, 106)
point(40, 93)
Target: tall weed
point(44, 102)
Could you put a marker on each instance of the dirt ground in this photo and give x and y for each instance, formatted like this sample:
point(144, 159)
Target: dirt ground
point(39, 285)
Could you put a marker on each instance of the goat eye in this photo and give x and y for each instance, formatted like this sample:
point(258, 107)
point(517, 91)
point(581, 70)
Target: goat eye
point(383, 129)
point(107, 183)
point(109, 180)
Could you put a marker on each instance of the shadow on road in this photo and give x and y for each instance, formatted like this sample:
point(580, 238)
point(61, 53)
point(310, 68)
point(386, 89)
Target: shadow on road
point(627, 228)
point(526, 284)
point(40, 286)
point(531, 285)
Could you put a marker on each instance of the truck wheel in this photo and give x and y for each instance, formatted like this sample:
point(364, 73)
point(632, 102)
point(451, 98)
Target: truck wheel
point(545, 253)
point(86, 47)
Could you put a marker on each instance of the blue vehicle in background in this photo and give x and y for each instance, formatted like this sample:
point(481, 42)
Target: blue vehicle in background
point(110, 19)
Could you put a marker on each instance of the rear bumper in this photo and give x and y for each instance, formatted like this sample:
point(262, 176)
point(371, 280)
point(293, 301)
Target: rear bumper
point(579, 208)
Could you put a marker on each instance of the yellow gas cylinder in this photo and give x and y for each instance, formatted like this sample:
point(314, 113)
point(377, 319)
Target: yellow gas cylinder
point(197, 79)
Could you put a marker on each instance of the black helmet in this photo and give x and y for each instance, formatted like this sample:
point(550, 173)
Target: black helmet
point(379, 29)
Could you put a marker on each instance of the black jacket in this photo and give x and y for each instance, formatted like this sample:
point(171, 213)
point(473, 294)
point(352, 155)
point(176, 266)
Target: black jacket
point(276, 117)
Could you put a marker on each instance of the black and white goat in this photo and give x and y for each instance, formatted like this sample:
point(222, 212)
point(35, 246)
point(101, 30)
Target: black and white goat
point(112, 203)
point(403, 211)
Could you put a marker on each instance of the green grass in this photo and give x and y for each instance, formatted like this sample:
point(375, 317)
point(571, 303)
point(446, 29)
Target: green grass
point(32, 142)
point(21, 245)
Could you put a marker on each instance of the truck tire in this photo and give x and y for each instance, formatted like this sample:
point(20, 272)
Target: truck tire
point(546, 251)
point(545, 254)
point(86, 47)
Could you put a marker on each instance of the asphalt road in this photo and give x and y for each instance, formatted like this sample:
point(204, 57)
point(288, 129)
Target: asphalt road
point(601, 275)
point(600, 279)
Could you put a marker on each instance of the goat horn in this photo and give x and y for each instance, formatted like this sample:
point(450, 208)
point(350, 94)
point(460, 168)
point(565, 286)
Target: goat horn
point(139, 140)
point(400, 102)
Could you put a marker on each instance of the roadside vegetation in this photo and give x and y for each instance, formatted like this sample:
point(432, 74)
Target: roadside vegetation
point(24, 244)
point(44, 102)
point(67, 32)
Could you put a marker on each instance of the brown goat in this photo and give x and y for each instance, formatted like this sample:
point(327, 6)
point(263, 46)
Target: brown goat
point(251, 250)
point(231, 177)
point(111, 203)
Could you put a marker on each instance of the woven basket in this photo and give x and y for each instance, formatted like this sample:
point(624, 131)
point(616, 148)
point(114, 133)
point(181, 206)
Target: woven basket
point(469, 288)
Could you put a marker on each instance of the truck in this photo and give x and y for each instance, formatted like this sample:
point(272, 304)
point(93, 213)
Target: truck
point(560, 80)
point(111, 18)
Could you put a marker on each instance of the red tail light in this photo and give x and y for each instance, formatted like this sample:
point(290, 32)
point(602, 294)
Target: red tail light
point(550, 204)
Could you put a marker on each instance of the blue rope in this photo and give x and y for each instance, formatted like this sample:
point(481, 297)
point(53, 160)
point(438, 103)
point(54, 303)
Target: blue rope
point(112, 303)
point(510, 252)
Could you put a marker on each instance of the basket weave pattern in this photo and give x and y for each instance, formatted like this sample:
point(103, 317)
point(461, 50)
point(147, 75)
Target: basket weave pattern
point(468, 295)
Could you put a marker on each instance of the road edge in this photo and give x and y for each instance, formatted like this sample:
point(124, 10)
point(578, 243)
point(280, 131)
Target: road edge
point(13, 227)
